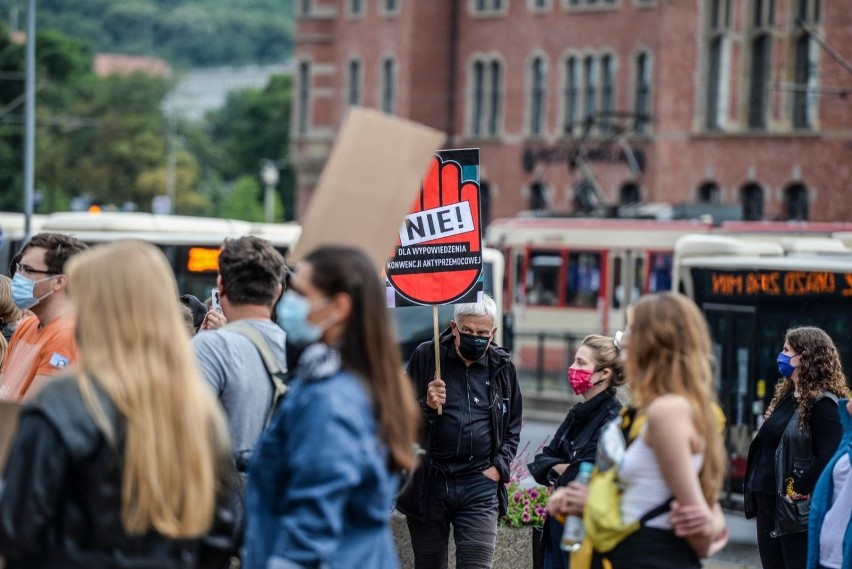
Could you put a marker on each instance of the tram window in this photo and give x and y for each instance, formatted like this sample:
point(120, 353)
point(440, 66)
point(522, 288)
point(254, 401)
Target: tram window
point(660, 273)
point(584, 280)
point(638, 278)
point(542, 283)
point(617, 286)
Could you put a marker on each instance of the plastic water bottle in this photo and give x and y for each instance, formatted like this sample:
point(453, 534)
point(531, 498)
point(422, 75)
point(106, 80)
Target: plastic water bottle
point(573, 531)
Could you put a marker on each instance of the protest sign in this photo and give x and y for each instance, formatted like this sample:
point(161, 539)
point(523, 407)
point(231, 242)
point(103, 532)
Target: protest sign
point(439, 251)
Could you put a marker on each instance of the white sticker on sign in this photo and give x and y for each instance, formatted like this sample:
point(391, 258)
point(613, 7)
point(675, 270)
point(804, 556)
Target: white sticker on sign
point(431, 224)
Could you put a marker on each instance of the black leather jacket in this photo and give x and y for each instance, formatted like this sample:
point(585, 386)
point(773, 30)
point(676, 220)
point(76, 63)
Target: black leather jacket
point(60, 505)
point(505, 420)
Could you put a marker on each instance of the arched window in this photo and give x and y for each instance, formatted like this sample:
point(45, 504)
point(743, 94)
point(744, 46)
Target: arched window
point(571, 94)
point(478, 98)
point(796, 197)
point(708, 192)
point(643, 91)
point(388, 85)
point(354, 78)
point(484, 203)
point(585, 197)
point(539, 200)
point(538, 91)
point(630, 194)
point(751, 197)
point(607, 91)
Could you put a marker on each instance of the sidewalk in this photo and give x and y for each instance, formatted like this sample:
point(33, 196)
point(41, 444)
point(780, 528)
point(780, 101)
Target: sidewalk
point(741, 551)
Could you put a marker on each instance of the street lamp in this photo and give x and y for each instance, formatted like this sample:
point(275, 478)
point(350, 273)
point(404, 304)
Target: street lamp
point(269, 175)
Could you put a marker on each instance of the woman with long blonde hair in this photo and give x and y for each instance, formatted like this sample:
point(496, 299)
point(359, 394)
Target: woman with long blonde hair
point(121, 462)
point(679, 456)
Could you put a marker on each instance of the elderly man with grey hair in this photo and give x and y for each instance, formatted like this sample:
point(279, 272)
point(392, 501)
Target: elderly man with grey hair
point(469, 445)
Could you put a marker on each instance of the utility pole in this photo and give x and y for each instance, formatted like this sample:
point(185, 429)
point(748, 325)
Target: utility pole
point(29, 122)
point(171, 190)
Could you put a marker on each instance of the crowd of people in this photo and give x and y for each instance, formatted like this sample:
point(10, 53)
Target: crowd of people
point(280, 428)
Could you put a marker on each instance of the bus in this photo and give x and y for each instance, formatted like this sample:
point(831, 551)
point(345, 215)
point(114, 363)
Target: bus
point(751, 292)
point(191, 245)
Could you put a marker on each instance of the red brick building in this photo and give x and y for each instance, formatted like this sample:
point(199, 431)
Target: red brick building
point(743, 102)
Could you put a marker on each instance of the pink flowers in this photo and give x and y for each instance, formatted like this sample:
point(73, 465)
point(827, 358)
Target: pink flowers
point(527, 506)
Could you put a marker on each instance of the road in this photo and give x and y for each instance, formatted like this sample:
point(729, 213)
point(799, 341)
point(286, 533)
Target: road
point(741, 551)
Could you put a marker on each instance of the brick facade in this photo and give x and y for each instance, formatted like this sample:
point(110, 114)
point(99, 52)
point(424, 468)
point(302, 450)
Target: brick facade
point(757, 143)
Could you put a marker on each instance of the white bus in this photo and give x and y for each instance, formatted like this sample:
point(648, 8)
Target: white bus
point(751, 292)
point(191, 244)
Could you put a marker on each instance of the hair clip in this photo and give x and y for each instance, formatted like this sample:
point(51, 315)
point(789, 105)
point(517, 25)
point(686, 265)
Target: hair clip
point(617, 340)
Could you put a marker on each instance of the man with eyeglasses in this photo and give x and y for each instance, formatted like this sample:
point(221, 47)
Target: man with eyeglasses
point(471, 429)
point(43, 344)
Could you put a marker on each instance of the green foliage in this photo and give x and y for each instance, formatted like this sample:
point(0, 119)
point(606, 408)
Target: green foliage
point(106, 139)
point(244, 201)
point(527, 507)
point(186, 33)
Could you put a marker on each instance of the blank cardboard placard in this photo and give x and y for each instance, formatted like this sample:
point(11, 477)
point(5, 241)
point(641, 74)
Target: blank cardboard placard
point(371, 179)
point(9, 413)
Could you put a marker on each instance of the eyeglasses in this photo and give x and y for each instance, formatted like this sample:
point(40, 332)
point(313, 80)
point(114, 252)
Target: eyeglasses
point(19, 268)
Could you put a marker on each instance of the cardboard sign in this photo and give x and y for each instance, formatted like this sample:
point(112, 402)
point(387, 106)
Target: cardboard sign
point(372, 175)
point(9, 413)
point(439, 252)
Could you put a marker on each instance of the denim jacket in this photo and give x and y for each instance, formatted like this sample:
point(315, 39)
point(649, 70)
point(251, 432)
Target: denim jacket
point(821, 498)
point(319, 492)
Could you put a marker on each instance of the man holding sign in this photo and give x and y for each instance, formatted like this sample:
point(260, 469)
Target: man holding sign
point(469, 447)
point(466, 385)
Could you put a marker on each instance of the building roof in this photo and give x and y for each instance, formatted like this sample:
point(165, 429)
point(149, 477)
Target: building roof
point(111, 63)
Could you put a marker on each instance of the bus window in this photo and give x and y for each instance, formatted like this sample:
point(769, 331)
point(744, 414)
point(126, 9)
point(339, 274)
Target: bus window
point(542, 282)
point(660, 272)
point(583, 280)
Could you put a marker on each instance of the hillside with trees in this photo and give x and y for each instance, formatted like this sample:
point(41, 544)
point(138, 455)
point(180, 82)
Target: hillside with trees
point(186, 33)
point(105, 140)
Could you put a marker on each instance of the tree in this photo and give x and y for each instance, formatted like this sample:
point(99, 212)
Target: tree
point(253, 126)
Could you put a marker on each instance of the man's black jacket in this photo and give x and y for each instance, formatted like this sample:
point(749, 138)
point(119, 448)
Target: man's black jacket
point(505, 419)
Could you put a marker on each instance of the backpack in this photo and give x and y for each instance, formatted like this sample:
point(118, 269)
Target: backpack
point(602, 514)
point(279, 377)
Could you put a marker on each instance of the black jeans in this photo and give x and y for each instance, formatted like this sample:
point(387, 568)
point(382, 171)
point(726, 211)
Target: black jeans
point(653, 548)
point(469, 503)
point(789, 551)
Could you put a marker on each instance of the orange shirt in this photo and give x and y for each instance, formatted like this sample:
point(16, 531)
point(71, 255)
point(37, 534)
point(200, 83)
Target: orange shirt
point(36, 351)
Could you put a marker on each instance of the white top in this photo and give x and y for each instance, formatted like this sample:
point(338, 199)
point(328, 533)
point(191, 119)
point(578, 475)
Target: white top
point(644, 485)
point(837, 518)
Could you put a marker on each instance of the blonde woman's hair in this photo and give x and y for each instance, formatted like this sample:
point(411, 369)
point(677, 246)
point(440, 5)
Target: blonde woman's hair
point(9, 313)
point(134, 345)
point(670, 353)
point(606, 357)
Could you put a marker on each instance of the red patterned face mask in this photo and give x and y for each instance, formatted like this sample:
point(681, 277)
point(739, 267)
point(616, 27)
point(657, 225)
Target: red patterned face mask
point(581, 380)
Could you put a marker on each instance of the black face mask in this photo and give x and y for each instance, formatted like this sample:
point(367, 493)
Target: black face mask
point(472, 348)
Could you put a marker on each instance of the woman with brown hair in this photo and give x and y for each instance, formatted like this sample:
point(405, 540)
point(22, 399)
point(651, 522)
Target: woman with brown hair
point(798, 438)
point(324, 475)
point(594, 375)
point(678, 458)
point(120, 463)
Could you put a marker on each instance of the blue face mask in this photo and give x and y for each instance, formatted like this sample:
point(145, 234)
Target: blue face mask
point(784, 366)
point(23, 291)
point(292, 316)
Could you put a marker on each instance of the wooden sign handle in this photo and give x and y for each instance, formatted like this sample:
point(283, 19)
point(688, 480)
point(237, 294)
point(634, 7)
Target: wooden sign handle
point(437, 350)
